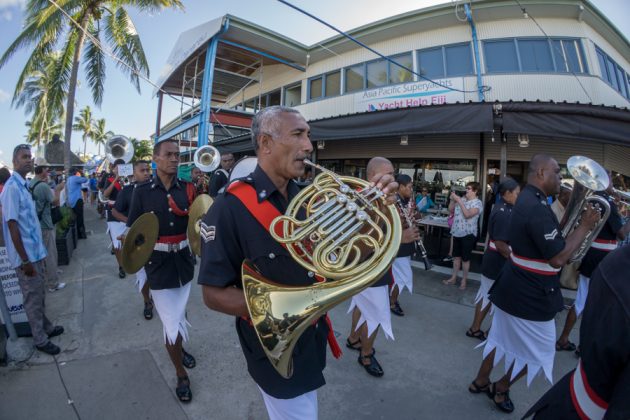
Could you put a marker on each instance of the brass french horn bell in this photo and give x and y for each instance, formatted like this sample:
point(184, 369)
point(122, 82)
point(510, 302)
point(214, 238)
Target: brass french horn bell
point(196, 212)
point(139, 243)
point(349, 234)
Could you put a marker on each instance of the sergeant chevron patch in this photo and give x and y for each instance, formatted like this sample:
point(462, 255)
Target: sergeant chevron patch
point(207, 232)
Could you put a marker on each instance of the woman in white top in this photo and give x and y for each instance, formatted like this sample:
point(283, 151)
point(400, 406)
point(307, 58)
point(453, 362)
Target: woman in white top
point(464, 230)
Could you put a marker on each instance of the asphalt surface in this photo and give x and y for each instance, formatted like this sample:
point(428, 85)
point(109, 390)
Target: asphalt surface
point(114, 365)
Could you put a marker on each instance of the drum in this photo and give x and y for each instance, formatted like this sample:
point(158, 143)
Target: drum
point(243, 167)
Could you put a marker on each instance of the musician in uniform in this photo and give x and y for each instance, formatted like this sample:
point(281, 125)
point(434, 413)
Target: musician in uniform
point(232, 232)
point(600, 385)
point(199, 180)
point(170, 267)
point(141, 174)
point(527, 296)
point(111, 187)
point(497, 252)
point(401, 268)
point(370, 308)
point(221, 175)
point(605, 242)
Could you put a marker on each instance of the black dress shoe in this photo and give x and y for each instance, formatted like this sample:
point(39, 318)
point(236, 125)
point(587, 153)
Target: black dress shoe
point(188, 360)
point(58, 330)
point(397, 310)
point(49, 348)
point(121, 273)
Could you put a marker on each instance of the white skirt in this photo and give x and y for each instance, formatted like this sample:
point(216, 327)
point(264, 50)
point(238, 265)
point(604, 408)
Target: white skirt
point(482, 293)
point(170, 305)
point(373, 303)
point(522, 342)
point(582, 294)
point(302, 407)
point(115, 229)
point(403, 276)
point(141, 279)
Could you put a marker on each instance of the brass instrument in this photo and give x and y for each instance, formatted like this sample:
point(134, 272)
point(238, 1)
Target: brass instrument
point(624, 196)
point(590, 177)
point(406, 212)
point(207, 158)
point(197, 210)
point(349, 234)
point(119, 147)
point(139, 242)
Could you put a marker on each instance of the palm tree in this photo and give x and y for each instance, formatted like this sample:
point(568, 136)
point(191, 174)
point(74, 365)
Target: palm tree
point(42, 95)
point(99, 134)
point(98, 22)
point(42, 131)
point(84, 122)
point(142, 149)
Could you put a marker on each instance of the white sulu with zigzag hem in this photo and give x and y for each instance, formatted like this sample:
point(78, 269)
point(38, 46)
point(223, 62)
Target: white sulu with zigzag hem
point(522, 342)
point(170, 305)
point(373, 303)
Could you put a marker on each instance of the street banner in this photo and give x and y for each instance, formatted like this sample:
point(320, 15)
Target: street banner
point(409, 95)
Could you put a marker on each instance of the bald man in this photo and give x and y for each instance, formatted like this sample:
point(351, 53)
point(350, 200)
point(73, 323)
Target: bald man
point(527, 293)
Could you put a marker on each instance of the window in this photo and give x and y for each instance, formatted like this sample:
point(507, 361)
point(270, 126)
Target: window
point(315, 88)
point(500, 56)
point(250, 106)
point(535, 55)
point(613, 74)
point(293, 95)
point(273, 98)
point(355, 79)
point(333, 84)
point(376, 73)
point(446, 61)
point(396, 73)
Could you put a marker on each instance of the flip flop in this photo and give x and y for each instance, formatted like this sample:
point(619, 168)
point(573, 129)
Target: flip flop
point(476, 334)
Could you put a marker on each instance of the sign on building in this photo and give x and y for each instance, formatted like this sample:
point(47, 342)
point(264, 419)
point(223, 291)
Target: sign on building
point(410, 95)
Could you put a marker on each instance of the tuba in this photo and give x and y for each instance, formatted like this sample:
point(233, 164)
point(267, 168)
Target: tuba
point(207, 158)
point(589, 178)
point(119, 147)
point(349, 234)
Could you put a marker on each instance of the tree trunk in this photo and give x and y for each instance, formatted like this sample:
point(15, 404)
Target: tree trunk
point(84, 146)
point(72, 88)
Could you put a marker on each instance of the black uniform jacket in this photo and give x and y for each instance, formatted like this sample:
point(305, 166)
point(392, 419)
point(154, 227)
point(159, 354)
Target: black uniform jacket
point(123, 199)
point(604, 344)
point(498, 230)
point(165, 270)
point(535, 235)
point(218, 181)
point(609, 232)
point(231, 235)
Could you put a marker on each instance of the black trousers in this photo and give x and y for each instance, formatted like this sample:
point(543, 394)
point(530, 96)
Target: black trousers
point(78, 212)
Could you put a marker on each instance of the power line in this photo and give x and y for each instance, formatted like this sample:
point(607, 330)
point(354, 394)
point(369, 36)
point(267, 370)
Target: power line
point(356, 41)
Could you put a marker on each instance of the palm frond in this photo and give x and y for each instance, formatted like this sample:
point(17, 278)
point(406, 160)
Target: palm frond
point(94, 66)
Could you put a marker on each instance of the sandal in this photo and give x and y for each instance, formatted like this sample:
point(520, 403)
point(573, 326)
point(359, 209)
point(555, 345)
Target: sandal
point(188, 360)
point(476, 389)
point(396, 309)
point(354, 346)
point(148, 310)
point(476, 334)
point(507, 406)
point(183, 391)
point(374, 368)
point(568, 346)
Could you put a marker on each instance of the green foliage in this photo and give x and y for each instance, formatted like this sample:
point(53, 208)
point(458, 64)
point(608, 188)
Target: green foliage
point(142, 149)
point(66, 220)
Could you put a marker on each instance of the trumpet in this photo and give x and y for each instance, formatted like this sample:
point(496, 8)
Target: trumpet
point(406, 212)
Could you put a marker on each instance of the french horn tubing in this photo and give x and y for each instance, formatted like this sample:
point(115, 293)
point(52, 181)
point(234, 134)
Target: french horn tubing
point(348, 234)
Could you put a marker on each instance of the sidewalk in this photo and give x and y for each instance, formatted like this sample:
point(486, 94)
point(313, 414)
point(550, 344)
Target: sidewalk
point(113, 363)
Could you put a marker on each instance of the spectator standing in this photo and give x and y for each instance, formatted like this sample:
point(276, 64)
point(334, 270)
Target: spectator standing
point(75, 200)
point(423, 201)
point(4, 176)
point(464, 230)
point(25, 249)
point(93, 184)
point(44, 201)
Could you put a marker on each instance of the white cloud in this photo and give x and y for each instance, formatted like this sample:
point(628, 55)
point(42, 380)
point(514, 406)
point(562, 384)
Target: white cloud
point(4, 96)
point(6, 15)
point(9, 3)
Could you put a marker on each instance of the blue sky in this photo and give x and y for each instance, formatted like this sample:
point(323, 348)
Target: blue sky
point(133, 114)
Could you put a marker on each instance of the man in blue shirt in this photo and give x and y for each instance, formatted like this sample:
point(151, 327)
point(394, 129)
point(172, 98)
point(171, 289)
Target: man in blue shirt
point(26, 250)
point(75, 200)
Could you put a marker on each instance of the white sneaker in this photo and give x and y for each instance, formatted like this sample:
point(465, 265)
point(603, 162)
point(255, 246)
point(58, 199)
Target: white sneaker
point(59, 287)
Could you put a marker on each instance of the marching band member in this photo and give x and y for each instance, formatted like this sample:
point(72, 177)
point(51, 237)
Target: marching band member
point(170, 267)
point(115, 228)
point(401, 268)
point(600, 385)
point(497, 252)
point(221, 175)
point(370, 307)
point(233, 230)
point(199, 180)
point(526, 296)
point(141, 174)
point(605, 242)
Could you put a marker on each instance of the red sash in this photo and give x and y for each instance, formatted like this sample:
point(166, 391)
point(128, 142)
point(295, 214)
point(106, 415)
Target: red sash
point(190, 193)
point(264, 212)
point(116, 184)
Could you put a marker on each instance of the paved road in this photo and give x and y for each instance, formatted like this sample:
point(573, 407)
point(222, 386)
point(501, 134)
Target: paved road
point(113, 364)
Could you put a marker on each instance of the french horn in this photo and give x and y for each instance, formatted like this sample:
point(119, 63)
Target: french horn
point(589, 178)
point(348, 234)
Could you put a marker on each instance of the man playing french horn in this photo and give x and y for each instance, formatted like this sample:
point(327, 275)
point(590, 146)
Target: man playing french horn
point(231, 234)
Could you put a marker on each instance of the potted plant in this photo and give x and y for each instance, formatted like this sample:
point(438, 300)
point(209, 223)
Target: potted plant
point(64, 241)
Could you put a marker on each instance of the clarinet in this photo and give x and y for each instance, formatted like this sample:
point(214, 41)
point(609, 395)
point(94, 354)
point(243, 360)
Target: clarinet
point(418, 245)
